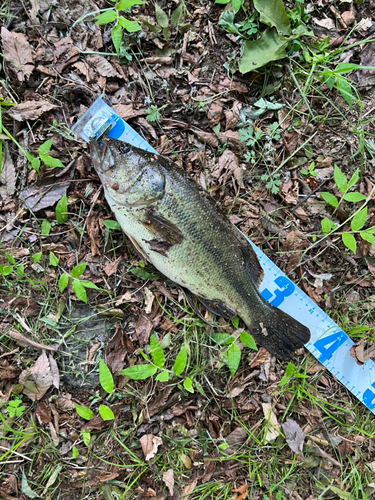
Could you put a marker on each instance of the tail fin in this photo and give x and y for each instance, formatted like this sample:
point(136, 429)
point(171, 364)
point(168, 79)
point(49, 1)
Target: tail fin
point(279, 333)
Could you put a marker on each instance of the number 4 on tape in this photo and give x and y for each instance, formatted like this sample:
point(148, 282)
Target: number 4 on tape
point(328, 343)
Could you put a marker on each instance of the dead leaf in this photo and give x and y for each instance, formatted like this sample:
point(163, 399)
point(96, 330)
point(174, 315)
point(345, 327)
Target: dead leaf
point(188, 489)
point(17, 51)
point(40, 374)
point(148, 127)
point(92, 224)
point(232, 115)
point(54, 371)
point(348, 17)
point(294, 435)
point(65, 403)
point(7, 174)
point(158, 60)
point(325, 23)
point(168, 478)
point(290, 140)
point(22, 340)
point(43, 413)
point(126, 111)
point(214, 113)
point(241, 491)
point(236, 437)
point(207, 137)
point(111, 267)
point(273, 424)
point(150, 445)
point(149, 299)
point(30, 110)
point(102, 66)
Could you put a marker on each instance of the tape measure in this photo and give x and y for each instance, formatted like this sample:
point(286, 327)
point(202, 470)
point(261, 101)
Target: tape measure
point(328, 343)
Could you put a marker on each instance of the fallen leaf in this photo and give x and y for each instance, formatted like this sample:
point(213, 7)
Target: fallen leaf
point(126, 111)
point(232, 115)
point(7, 174)
point(188, 489)
point(102, 66)
point(207, 137)
point(290, 140)
point(294, 435)
point(39, 374)
point(236, 437)
point(17, 52)
point(30, 110)
point(54, 371)
point(43, 413)
point(241, 491)
point(92, 224)
point(168, 478)
point(149, 299)
point(111, 267)
point(325, 23)
point(150, 445)
point(45, 194)
point(148, 127)
point(273, 424)
point(22, 340)
point(348, 17)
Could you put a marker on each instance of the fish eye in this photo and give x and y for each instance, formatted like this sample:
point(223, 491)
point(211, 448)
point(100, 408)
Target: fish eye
point(124, 149)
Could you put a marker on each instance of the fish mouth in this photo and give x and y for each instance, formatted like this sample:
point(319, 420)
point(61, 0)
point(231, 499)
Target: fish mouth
point(102, 157)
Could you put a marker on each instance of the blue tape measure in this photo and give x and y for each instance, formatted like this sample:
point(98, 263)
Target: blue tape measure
point(328, 343)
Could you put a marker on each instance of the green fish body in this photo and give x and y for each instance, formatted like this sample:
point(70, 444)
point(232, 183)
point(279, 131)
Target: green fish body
point(176, 226)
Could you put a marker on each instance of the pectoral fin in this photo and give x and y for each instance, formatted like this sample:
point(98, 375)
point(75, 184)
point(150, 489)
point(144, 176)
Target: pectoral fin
point(163, 230)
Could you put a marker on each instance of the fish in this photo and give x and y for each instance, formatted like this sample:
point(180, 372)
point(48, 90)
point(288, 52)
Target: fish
point(176, 225)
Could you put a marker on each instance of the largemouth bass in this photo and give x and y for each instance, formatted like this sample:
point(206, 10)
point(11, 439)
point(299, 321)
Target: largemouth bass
point(176, 226)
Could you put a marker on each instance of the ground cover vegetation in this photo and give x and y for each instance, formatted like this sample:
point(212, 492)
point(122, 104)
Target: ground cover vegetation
point(114, 382)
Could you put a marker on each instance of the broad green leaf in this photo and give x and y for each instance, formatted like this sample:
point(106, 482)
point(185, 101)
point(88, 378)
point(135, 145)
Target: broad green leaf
point(45, 147)
point(53, 260)
point(78, 270)
point(126, 4)
point(344, 495)
point(63, 282)
point(35, 164)
point(327, 225)
point(130, 26)
point(272, 13)
point(349, 241)
point(234, 357)
point(6, 270)
point(141, 273)
point(359, 220)
point(10, 258)
point(290, 369)
point(161, 17)
point(36, 257)
point(139, 372)
point(181, 360)
point(166, 34)
point(222, 2)
point(370, 230)
point(156, 352)
point(346, 68)
point(354, 197)
point(222, 338)
point(340, 179)
point(223, 446)
point(116, 35)
point(163, 376)
point(26, 490)
point(176, 15)
point(188, 384)
point(236, 5)
point(105, 377)
point(89, 284)
point(106, 17)
point(353, 179)
point(111, 224)
point(79, 290)
point(75, 452)
point(235, 321)
point(83, 411)
point(51, 162)
point(345, 90)
point(257, 53)
point(368, 237)
point(86, 437)
point(248, 341)
point(329, 198)
point(106, 413)
point(62, 210)
point(46, 228)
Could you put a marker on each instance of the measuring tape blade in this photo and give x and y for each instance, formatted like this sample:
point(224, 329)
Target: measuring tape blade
point(328, 343)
